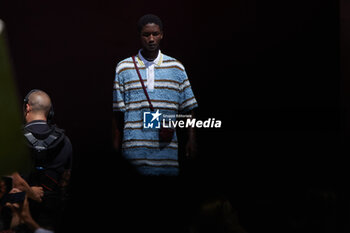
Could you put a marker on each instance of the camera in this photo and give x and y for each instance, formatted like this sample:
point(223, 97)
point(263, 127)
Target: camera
point(6, 186)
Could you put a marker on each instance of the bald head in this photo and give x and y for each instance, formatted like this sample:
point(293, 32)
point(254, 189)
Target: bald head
point(39, 103)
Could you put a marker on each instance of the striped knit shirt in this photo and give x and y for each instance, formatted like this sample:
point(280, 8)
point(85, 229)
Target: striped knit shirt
point(172, 94)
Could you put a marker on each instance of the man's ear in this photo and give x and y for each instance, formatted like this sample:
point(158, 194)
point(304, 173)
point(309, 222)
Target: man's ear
point(28, 108)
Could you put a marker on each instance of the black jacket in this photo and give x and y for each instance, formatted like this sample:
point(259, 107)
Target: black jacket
point(48, 142)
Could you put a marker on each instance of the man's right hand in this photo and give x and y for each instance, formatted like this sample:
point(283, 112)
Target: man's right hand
point(37, 193)
point(33, 192)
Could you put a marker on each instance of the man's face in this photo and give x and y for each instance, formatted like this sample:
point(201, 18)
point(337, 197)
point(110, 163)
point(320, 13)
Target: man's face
point(151, 35)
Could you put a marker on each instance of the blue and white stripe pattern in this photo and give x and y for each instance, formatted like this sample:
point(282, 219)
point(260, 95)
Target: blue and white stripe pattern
point(172, 94)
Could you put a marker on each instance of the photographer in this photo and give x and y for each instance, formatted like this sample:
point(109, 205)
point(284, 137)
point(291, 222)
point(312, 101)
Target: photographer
point(51, 154)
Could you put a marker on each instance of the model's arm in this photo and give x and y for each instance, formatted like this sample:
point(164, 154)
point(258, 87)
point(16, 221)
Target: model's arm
point(34, 192)
point(118, 124)
point(191, 146)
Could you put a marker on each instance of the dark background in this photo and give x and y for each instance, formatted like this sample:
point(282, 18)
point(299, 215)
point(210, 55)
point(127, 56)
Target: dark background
point(271, 72)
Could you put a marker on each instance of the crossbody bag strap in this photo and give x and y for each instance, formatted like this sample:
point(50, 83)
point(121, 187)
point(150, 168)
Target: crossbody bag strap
point(143, 85)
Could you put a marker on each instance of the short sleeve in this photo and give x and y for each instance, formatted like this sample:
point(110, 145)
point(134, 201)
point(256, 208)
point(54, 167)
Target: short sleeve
point(187, 98)
point(118, 93)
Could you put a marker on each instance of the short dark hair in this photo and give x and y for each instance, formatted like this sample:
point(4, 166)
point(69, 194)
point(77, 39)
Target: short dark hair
point(149, 18)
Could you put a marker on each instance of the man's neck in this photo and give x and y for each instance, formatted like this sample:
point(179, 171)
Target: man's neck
point(31, 117)
point(150, 55)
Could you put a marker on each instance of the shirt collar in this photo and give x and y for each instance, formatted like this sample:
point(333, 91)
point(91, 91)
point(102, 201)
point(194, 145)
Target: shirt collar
point(35, 122)
point(143, 61)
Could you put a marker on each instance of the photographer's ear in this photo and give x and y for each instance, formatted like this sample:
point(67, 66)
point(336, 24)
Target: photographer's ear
point(28, 108)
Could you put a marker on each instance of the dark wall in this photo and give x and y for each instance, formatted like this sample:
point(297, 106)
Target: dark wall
point(269, 71)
